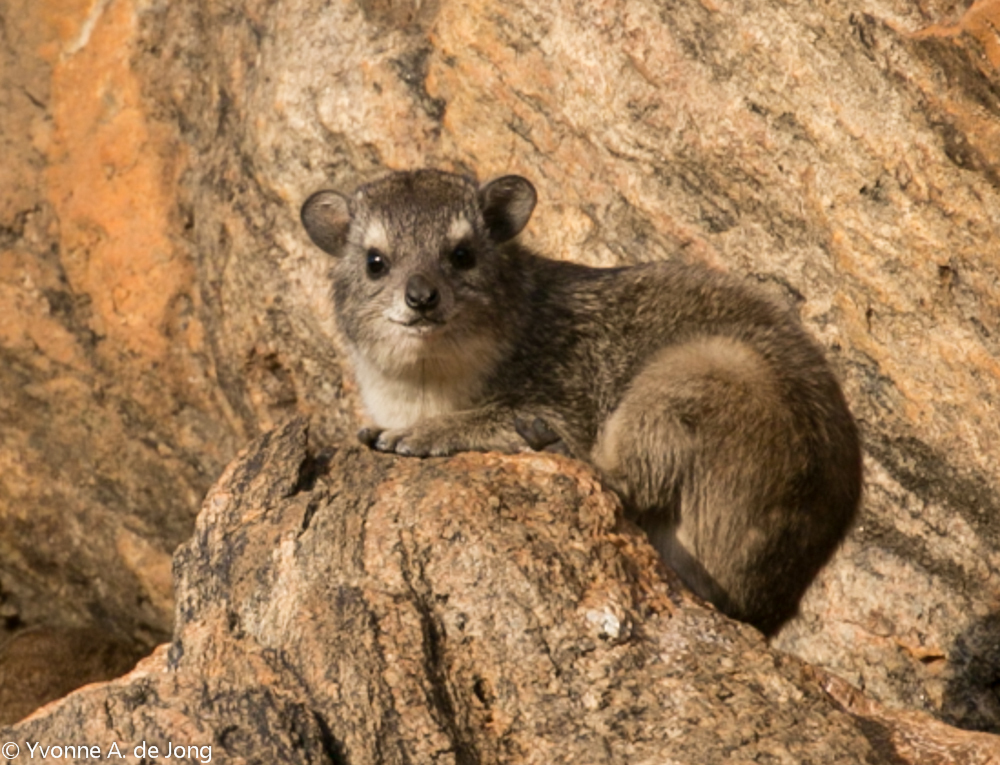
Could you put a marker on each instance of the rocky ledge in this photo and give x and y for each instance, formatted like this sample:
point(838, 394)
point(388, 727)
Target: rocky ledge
point(351, 607)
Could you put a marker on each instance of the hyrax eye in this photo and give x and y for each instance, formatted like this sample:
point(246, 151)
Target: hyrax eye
point(376, 263)
point(462, 258)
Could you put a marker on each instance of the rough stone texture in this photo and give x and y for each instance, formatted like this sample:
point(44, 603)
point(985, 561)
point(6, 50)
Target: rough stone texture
point(161, 304)
point(41, 664)
point(357, 608)
point(111, 426)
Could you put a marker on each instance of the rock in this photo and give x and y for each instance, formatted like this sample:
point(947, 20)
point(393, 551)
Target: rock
point(41, 664)
point(112, 425)
point(162, 305)
point(353, 607)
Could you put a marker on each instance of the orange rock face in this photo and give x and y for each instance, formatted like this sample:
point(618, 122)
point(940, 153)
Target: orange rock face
point(102, 344)
point(111, 179)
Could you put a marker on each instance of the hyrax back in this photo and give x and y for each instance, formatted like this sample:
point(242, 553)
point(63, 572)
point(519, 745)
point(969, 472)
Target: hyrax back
point(706, 407)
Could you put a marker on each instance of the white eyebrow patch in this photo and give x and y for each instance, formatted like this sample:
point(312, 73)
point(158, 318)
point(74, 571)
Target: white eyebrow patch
point(459, 229)
point(375, 236)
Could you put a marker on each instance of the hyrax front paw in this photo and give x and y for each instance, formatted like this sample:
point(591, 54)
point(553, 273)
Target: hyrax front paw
point(441, 437)
point(410, 442)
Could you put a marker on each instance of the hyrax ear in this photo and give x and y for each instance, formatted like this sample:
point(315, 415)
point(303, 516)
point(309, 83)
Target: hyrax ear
point(326, 216)
point(507, 204)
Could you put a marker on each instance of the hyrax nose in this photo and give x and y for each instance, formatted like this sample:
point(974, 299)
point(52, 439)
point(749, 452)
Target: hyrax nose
point(421, 295)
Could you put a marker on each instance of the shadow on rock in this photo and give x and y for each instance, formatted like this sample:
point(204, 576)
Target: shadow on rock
point(972, 696)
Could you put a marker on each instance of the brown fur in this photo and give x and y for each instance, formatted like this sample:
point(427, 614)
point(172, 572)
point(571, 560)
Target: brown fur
point(706, 406)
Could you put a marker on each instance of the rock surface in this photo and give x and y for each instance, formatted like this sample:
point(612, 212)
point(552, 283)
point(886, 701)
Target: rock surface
point(161, 304)
point(111, 426)
point(41, 664)
point(351, 607)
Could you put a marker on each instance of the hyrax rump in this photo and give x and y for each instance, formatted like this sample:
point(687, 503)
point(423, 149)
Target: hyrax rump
point(703, 404)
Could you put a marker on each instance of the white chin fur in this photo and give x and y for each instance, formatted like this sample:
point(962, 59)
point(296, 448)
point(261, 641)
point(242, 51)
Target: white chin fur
point(416, 374)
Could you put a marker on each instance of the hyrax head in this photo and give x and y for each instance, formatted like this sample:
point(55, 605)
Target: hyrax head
point(418, 273)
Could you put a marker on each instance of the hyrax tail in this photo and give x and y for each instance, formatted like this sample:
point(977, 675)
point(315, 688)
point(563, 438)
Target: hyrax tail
point(745, 475)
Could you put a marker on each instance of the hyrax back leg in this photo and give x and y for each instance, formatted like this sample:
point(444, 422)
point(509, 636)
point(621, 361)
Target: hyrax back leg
point(719, 458)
